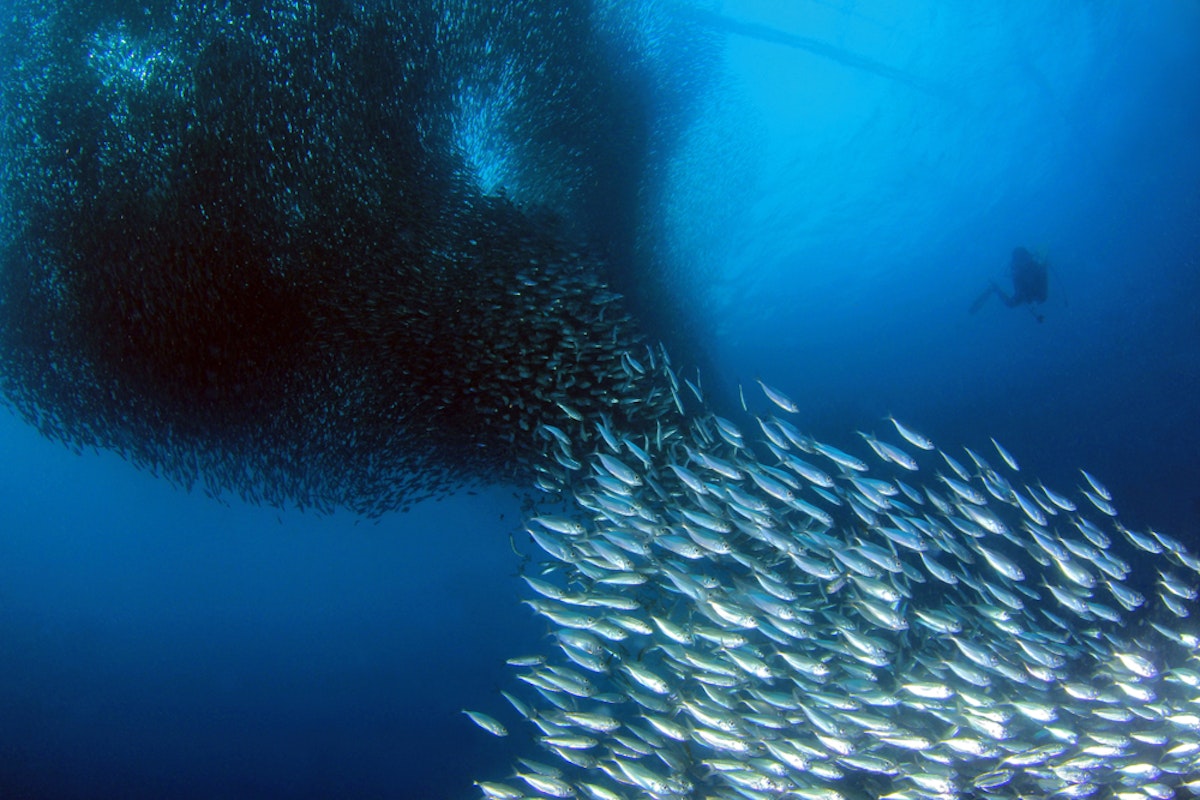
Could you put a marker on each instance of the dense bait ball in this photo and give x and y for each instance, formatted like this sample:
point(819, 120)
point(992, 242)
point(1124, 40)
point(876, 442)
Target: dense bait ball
point(315, 253)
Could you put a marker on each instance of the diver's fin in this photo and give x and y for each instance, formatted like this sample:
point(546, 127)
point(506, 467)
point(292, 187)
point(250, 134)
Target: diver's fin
point(979, 301)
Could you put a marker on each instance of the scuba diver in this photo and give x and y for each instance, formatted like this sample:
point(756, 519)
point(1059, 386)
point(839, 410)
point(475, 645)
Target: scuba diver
point(1029, 277)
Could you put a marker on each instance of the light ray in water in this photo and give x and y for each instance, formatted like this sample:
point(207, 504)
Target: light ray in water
point(934, 640)
point(822, 49)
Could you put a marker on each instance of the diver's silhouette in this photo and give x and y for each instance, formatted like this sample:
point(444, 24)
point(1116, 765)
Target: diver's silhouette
point(1030, 283)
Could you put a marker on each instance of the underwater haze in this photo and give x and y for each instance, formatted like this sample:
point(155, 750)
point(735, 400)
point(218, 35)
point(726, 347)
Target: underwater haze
point(848, 179)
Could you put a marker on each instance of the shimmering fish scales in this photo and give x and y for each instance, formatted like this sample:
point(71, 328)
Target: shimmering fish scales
point(489, 724)
point(1006, 456)
point(1098, 487)
point(779, 398)
point(773, 628)
point(911, 436)
point(619, 470)
point(562, 525)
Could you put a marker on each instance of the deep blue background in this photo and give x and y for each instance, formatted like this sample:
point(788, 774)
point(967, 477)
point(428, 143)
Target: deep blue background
point(161, 644)
point(834, 211)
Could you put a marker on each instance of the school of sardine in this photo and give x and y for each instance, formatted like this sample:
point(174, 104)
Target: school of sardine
point(746, 612)
point(256, 256)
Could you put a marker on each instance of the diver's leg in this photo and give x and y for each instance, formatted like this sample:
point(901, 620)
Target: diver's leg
point(979, 301)
point(1011, 302)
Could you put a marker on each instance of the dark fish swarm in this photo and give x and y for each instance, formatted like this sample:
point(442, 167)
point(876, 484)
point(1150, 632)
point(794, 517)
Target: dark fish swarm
point(753, 614)
point(245, 244)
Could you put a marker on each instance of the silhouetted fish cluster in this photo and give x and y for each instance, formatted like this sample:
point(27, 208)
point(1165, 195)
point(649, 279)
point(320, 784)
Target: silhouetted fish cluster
point(252, 244)
point(757, 614)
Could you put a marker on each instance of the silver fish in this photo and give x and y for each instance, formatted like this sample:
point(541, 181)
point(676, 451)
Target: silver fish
point(778, 626)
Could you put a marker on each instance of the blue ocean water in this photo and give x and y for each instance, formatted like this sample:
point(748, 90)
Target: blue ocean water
point(859, 174)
